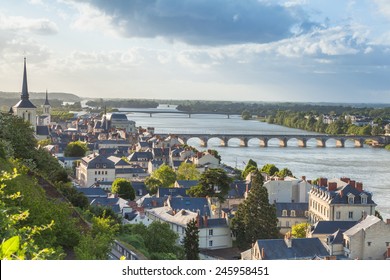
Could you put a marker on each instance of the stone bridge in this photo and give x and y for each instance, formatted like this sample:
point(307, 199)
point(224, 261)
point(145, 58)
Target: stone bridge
point(302, 139)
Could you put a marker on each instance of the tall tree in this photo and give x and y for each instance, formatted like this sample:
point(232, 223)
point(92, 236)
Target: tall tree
point(270, 169)
point(76, 149)
point(123, 188)
point(191, 241)
point(187, 171)
point(256, 217)
point(214, 182)
point(251, 166)
point(165, 174)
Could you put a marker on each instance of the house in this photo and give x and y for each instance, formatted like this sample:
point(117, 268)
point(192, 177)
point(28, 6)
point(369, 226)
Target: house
point(339, 200)
point(290, 214)
point(286, 249)
point(140, 158)
point(92, 193)
point(368, 240)
point(120, 121)
point(322, 229)
point(202, 159)
point(186, 183)
point(139, 188)
point(213, 233)
point(288, 190)
point(173, 192)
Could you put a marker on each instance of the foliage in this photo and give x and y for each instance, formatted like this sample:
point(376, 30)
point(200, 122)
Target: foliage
point(78, 199)
point(378, 214)
point(76, 149)
point(18, 133)
point(96, 244)
point(246, 115)
point(187, 171)
point(299, 230)
point(285, 172)
point(215, 154)
point(191, 241)
point(255, 217)
point(60, 116)
point(156, 246)
point(214, 182)
point(165, 174)
point(388, 147)
point(18, 240)
point(152, 184)
point(44, 142)
point(250, 167)
point(123, 188)
point(102, 212)
point(270, 169)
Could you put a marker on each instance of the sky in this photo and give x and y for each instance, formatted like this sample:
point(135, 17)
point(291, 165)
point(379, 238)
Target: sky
point(247, 50)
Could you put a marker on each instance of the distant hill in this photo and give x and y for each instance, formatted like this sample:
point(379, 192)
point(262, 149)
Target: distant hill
point(69, 97)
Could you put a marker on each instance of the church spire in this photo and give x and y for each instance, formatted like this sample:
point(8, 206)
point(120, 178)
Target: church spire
point(46, 100)
point(24, 94)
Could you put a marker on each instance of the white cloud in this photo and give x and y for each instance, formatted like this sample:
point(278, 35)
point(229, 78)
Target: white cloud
point(23, 24)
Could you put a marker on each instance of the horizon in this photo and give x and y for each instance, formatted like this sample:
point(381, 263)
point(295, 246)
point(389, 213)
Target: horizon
point(253, 51)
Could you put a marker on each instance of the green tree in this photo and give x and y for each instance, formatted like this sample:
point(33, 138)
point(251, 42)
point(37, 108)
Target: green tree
point(191, 241)
point(152, 184)
point(76, 149)
point(96, 244)
point(299, 230)
point(123, 188)
point(270, 169)
point(165, 174)
point(250, 167)
point(285, 172)
point(246, 115)
point(376, 130)
point(214, 182)
point(255, 217)
point(187, 171)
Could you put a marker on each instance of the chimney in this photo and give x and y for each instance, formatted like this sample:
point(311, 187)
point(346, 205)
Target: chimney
point(262, 254)
point(205, 221)
point(198, 220)
point(288, 240)
point(345, 179)
point(304, 178)
point(388, 252)
point(352, 183)
point(323, 182)
point(388, 221)
point(154, 203)
point(359, 186)
point(309, 181)
point(332, 186)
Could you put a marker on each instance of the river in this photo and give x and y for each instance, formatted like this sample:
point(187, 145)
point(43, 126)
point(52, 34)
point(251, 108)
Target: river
point(368, 165)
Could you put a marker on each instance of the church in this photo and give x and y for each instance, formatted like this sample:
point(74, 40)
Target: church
point(26, 110)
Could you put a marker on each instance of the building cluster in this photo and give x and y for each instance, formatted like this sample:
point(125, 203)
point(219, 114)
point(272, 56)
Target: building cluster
point(339, 212)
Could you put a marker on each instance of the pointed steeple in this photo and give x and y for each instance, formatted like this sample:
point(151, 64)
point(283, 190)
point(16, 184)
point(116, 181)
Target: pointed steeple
point(24, 94)
point(46, 100)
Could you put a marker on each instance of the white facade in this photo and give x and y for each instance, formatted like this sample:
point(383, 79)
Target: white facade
point(288, 190)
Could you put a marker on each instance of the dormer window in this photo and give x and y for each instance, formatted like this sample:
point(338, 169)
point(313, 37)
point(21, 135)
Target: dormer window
point(363, 198)
point(292, 213)
point(284, 213)
point(97, 165)
point(351, 198)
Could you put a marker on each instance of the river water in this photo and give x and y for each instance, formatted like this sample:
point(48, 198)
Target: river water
point(371, 166)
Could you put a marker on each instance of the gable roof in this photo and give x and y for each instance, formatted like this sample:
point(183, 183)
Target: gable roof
point(43, 130)
point(187, 183)
point(299, 207)
point(329, 227)
point(92, 192)
point(193, 204)
point(363, 225)
point(301, 248)
point(161, 192)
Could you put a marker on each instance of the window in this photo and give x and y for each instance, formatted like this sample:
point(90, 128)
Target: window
point(292, 213)
point(211, 232)
point(387, 244)
point(287, 224)
point(306, 213)
point(351, 198)
point(338, 214)
point(95, 172)
point(368, 243)
point(350, 215)
point(284, 213)
point(210, 243)
point(104, 165)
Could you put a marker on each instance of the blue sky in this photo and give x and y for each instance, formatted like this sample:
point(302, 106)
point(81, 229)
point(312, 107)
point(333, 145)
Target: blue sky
point(252, 50)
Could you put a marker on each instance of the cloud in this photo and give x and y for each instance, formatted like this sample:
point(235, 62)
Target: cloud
point(22, 24)
point(217, 22)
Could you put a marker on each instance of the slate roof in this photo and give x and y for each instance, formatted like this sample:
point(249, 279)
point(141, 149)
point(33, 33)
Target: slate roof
point(24, 103)
point(161, 192)
point(336, 238)
point(213, 223)
point(139, 188)
point(191, 203)
point(363, 225)
point(299, 208)
point(136, 156)
point(187, 183)
point(130, 170)
point(153, 202)
point(158, 152)
point(92, 192)
point(112, 203)
point(97, 161)
point(43, 130)
point(302, 248)
point(116, 116)
point(237, 189)
point(329, 227)
point(118, 161)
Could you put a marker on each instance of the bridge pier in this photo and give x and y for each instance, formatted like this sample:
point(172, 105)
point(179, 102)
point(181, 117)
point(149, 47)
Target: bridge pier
point(340, 143)
point(224, 142)
point(321, 143)
point(302, 142)
point(264, 142)
point(244, 142)
point(359, 143)
point(150, 115)
point(283, 142)
point(203, 142)
point(189, 116)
